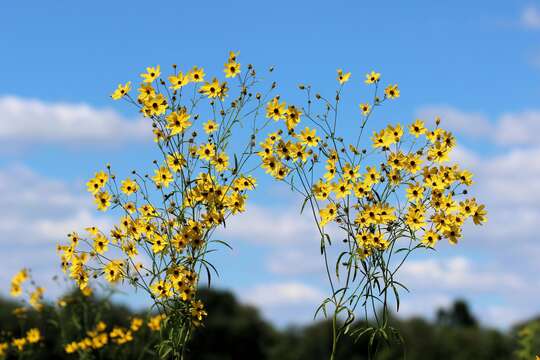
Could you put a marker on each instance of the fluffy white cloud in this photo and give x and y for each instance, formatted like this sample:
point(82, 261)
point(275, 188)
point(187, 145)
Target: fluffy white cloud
point(272, 226)
point(459, 273)
point(28, 121)
point(469, 123)
point(530, 17)
point(282, 294)
point(38, 212)
point(519, 128)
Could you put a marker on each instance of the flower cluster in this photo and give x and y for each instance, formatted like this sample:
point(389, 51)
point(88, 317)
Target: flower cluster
point(168, 218)
point(35, 295)
point(399, 194)
point(20, 344)
point(99, 336)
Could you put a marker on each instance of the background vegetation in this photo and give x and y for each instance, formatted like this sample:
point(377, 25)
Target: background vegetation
point(237, 331)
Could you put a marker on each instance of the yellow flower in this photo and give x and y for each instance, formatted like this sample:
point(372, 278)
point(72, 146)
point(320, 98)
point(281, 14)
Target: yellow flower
point(178, 121)
point(129, 186)
point(121, 91)
point(329, 213)
point(365, 108)
point(177, 81)
point(211, 89)
point(162, 177)
point(210, 126)
point(19, 343)
point(3, 348)
point(292, 117)
point(36, 297)
point(308, 138)
point(372, 77)
point(275, 110)
point(136, 324)
point(207, 151)
point(220, 162)
point(232, 68)
point(343, 77)
point(392, 91)
point(161, 289)
point(196, 74)
point(154, 323)
point(430, 238)
point(113, 271)
point(417, 128)
point(101, 244)
point(33, 335)
point(176, 161)
point(152, 73)
point(103, 200)
point(155, 105)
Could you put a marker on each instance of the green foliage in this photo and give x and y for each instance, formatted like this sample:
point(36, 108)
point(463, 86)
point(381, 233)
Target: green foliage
point(237, 331)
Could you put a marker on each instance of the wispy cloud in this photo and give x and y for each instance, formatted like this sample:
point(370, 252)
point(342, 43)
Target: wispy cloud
point(25, 122)
point(513, 128)
point(530, 17)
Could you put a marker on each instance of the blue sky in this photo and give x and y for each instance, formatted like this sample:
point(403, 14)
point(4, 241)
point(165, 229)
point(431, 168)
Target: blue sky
point(477, 64)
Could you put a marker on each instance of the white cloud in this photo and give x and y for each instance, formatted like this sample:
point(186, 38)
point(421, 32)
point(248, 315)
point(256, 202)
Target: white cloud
point(282, 294)
point(472, 124)
point(38, 213)
point(530, 17)
point(28, 121)
point(459, 273)
point(306, 260)
point(264, 225)
point(519, 128)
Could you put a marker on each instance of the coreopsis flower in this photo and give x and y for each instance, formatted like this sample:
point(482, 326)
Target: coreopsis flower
point(129, 186)
point(430, 238)
point(328, 214)
point(161, 289)
point(152, 73)
point(211, 89)
point(417, 128)
point(220, 162)
point(16, 282)
point(210, 126)
point(343, 77)
point(415, 193)
point(275, 110)
point(154, 323)
point(136, 324)
point(33, 336)
point(102, 200)
point(197, 74)
point(121, 91)
point(176, 161)
point(207, 151)
point(162, 177)
point(3, 348)
point(392, 91)
point(308, 137)
point(19, 343)
point(179, 80)
point(114, 271)
point(146, 91)
point(197, 311)
point(178, 121)
point(155, 105)
point(101, 244)
point(479, 215)
point(292, 117)
point(36, 298)
point(365, 108)
point(231, 69)
point(372, 77)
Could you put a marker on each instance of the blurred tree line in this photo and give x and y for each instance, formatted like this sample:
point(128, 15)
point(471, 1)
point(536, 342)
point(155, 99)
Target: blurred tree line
point(237, 331)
